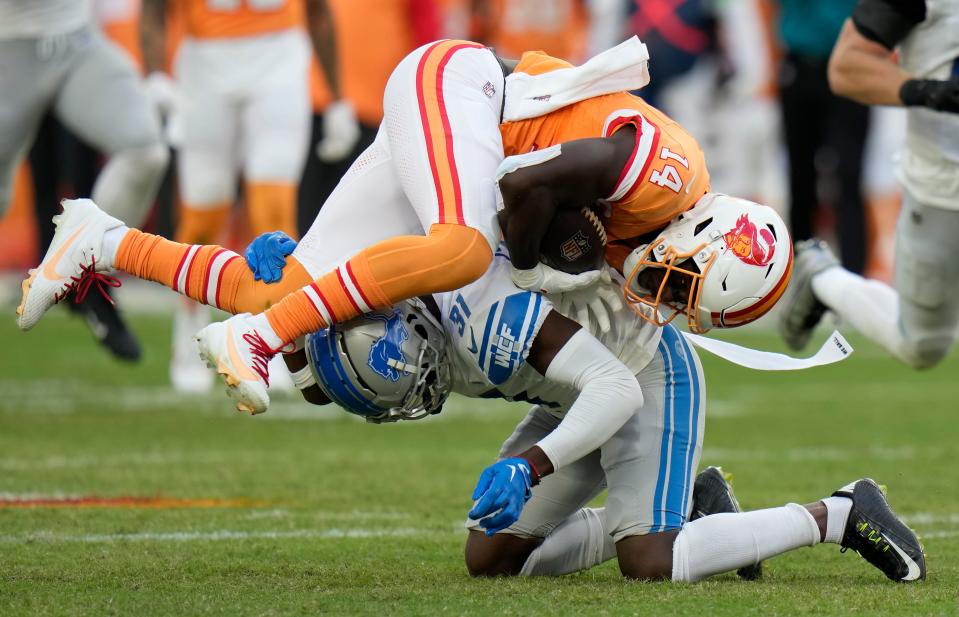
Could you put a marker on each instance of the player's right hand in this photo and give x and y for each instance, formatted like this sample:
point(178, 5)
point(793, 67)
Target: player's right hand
point(266, 255)
point(548, 280)
point(592, 306)
point(501, 492)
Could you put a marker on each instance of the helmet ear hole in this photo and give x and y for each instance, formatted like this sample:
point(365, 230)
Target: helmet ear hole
point(385, 365)
point(701, 226)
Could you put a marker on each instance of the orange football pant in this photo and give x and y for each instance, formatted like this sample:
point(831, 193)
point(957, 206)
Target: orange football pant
point(447, 258)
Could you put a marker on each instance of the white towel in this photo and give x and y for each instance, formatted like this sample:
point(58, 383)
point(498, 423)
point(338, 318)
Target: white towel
point(624, 67)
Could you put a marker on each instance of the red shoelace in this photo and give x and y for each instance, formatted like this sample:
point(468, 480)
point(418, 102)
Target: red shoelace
point(262, 354)
point(81, 284)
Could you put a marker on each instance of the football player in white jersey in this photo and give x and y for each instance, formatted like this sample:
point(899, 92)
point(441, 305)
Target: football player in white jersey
point(53, 58)
point(916, 322)
point(622, 410)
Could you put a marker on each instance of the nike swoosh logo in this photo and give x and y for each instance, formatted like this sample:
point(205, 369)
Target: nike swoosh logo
point(50, 268)
point(474, 348)
point(914, 570)
point(512, 472)
point(238, 365)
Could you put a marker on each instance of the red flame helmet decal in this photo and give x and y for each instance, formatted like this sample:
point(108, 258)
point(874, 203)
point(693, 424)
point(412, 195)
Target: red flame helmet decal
point(752, 246)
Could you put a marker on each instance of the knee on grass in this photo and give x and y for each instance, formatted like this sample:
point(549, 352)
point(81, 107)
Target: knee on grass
point(500, 555)
point(648, 557)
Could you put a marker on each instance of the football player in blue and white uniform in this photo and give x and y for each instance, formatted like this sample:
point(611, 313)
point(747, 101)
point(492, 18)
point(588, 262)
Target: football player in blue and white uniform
point(916, 321)
point(622, 411)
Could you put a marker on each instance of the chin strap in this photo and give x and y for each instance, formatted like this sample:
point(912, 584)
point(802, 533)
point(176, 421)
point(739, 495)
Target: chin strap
point(303, 378)
point(834, 349)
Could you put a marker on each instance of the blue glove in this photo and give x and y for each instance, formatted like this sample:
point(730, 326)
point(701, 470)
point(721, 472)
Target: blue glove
point(503, 489)
point(266, 255)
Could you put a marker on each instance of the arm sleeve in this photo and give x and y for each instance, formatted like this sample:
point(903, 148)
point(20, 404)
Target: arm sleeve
point(887, 22)
point(608, 395)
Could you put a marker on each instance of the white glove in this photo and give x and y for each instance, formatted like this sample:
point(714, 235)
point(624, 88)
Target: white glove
point(162, 90)
point(547, 280)
point(601, 300)
point(341, 131)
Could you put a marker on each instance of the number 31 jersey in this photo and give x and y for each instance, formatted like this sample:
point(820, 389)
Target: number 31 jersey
point(663, 178)
point(491, 325)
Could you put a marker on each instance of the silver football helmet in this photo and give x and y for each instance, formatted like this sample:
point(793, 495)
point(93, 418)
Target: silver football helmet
point(386, 365)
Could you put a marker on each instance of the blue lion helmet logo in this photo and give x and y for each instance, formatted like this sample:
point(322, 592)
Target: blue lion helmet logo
point(387, 352)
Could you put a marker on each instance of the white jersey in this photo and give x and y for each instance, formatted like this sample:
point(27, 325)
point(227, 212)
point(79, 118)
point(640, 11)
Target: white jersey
point(20, 19)
point(930, 164)
point(491, 325)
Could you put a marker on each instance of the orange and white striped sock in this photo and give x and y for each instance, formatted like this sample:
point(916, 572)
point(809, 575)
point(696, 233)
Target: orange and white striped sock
point(209, 274)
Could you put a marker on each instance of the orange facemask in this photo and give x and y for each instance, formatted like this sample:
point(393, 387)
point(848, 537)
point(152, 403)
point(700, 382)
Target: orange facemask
point(678, 290)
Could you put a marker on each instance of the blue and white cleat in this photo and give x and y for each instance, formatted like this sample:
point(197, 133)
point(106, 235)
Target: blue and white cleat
point(801, 310)
point(73, 262)
point(235, 350)
point(876, 533)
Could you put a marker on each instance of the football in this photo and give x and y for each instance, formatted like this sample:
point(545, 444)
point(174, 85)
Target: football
point(575, 241)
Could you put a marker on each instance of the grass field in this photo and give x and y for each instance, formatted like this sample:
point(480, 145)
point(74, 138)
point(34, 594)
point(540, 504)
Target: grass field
point(307, 511)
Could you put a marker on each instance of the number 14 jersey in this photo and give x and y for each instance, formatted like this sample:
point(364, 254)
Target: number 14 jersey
point(663, 178)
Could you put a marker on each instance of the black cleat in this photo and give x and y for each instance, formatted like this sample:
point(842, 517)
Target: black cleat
point(876, 533)
point(713, 494)
point(107, 326)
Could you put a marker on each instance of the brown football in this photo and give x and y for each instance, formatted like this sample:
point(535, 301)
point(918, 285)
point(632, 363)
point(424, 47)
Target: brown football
point(574, 242)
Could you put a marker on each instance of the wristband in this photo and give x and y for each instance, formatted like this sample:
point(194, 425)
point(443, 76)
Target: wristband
point(534, 473)
point(932, 94)
point(912, 92)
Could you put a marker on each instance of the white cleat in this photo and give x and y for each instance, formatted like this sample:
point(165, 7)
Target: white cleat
point(74, 260)
point(188, 373)
point(237, 352)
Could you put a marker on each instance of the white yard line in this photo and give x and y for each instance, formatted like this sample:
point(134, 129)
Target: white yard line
point(897, 453)
point(217, 535)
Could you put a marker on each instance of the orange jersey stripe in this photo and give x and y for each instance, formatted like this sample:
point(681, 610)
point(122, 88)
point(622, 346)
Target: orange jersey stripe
point(436, 127)
point(212, 19)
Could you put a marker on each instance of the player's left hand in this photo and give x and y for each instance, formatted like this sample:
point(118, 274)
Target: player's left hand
point(593, 305)
point(341, 131)
point(266, 255)
point(503, 489)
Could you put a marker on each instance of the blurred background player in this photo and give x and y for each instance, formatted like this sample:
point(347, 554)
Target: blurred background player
point(825, 134)
point(241, 108)
point(916, 322)
point(57, 62)
point(343, 128)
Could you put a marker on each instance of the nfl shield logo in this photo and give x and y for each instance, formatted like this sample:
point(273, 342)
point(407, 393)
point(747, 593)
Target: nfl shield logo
point(575, 247)
point(489, 90)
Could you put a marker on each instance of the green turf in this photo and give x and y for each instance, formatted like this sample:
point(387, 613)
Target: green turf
point(352, 518)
